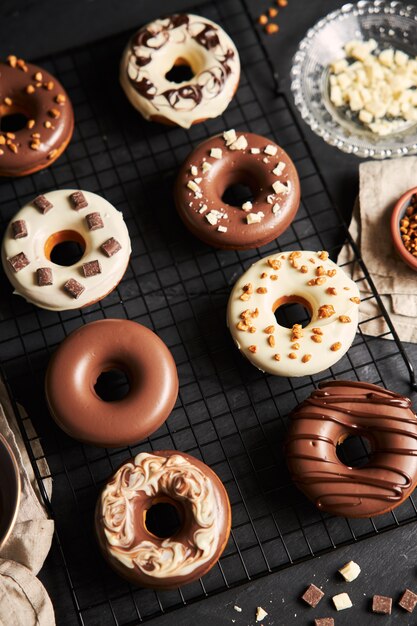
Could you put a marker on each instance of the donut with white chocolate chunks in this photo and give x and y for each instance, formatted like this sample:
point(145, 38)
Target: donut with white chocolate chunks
point(202, 505)
point(57, 217)
point(180, 39)
point(310, 279)
point(339, 409)
point(34, 94)
point(237, 158)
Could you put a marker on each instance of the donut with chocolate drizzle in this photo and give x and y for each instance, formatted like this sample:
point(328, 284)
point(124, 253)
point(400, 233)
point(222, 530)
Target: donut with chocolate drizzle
point(34, 98)
point(334, 411)
point(180, 40)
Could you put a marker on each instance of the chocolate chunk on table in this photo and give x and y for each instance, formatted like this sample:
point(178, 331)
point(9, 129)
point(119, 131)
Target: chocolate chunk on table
point(78, 200)
point(94, 221)
point(45, 277)
point(19, 229)
point(42, 203)
point(382, 604)
point(74, 288)
point(408, 601)
point(19, 261)
point(92, 268)
point(111, 246)
point(324, 621)
point(312, 595)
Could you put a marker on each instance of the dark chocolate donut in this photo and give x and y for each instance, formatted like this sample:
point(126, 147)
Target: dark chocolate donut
point(334, 411)
point(32, 92)
point(237, 158)
point(203, 508)
point(99, 347)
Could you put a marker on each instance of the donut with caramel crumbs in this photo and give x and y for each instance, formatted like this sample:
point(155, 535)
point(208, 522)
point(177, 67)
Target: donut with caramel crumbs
point(125, 533)
point(304, 277)
point(236, 158)
point(103, 346)
point(36, 118)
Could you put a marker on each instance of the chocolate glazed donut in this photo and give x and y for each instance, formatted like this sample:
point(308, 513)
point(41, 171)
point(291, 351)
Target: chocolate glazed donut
point(333, 412)
point(216, 165)
point(31, 92)
point(102, 346)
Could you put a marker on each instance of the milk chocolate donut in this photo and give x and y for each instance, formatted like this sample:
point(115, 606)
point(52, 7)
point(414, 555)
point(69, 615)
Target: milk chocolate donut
point(99, 347)
point(202, 505)
point(237, 158)
point(56, 217)
point(334, 411)
point(180, 39)
point(31, 91)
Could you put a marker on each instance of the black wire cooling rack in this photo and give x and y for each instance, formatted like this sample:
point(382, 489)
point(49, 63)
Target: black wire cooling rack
point(228, 414)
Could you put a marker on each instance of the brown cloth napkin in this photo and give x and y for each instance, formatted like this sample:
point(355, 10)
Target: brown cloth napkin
point(23, 599)
point(381, 183)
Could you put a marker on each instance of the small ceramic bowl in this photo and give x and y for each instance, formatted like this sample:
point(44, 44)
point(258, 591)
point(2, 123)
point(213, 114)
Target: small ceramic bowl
point(397, 215)
point(9, 490)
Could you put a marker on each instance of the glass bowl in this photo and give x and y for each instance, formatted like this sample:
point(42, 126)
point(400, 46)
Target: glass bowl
point(392, 25)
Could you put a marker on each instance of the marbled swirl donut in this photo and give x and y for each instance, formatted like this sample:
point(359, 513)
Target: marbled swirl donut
point(177, 40)
point(334, 411)
point(36, 95)
point(202, 505)
point(233, 158)
point(310, 279)
point(61, 216)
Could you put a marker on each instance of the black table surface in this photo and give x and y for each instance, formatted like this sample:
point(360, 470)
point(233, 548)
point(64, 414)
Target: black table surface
point(388, 562)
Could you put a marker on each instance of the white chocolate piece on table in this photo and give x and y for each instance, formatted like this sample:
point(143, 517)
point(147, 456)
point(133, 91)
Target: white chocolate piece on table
point(350, 571)
point(342, 601)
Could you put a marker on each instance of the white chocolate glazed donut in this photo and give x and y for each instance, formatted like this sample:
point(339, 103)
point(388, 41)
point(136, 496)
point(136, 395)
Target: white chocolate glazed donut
point(311, 279)
point(156, 48)
point(51, 219)
point(165, 476)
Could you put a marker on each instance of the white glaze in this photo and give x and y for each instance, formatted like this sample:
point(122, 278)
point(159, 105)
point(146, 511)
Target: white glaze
point(154, 475)
point(64, 217)
point(180, 44)
point(292, 282)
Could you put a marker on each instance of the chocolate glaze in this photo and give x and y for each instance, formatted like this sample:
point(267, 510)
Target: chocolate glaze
point(237, 166)
point(98, 347)
point(35, 106)
point(184, 535)
point(333, 412)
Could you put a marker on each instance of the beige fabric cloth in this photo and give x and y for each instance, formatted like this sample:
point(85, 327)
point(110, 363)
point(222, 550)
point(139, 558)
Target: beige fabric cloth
point(381, 183)
point(23, 599)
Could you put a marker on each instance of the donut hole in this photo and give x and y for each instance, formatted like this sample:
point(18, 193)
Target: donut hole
point(13, 122)
point(291, 310)
point(163, 519)
point(13, 118)
point(354, 451)
point(180, 72)
point(237, 194)
point(239, 187)
point(65, 248)
point(112, 385)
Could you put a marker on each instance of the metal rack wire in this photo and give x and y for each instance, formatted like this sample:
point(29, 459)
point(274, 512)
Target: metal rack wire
point(228, 414)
